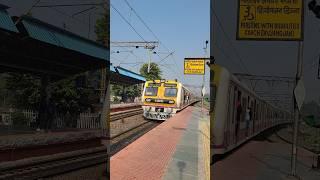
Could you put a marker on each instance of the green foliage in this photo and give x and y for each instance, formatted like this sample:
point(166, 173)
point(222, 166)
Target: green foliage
point(116, 90)
point(19, 120)
point(116, 100)
point(102, 29)
point(68, 98)
point(65, 95)
point(311, 113)
point(155, 71)
point(128, 93)
point(24, 88)
point(133, 91)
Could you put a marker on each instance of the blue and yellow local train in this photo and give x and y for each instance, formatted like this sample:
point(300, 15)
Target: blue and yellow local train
point(163, 98)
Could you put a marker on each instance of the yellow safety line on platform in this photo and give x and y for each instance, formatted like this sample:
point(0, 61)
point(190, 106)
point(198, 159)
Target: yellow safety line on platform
point(204, 160)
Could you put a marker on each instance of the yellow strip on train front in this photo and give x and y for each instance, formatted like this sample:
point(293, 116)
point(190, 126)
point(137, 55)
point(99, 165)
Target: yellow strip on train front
point(163, 98)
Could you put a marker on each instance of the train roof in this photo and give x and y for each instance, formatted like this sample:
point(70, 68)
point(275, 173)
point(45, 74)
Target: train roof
point(163, 81)
point(236, 80)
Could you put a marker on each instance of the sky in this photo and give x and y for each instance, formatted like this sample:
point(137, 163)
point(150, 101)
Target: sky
point(266, 58)
point(182, 26)
point(58, 16)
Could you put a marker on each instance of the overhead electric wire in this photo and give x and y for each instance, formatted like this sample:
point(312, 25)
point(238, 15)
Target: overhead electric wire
point(173, 70)
point(29, 11)
point(225, 54)
point(132, 26)
point(85, 10)
point(165, 58)
point(134, 29)
point(229, 39)
point(145, 24)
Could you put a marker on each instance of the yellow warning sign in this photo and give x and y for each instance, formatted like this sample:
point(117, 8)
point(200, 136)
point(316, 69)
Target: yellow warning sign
point(270, 20)
point(194, 66)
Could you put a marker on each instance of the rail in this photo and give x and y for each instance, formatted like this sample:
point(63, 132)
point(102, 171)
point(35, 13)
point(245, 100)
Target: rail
point(123, 114)
point(45, 166)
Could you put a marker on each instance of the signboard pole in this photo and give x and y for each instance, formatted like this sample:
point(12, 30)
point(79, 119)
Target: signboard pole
point(296, 113)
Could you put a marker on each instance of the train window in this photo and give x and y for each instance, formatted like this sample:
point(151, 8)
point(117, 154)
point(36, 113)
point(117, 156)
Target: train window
point(151, 91)
point(170, 92)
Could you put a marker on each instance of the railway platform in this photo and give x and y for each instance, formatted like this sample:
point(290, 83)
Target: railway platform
point(176, 149)
point(264, 159)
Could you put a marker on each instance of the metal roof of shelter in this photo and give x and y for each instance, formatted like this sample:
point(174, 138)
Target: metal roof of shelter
point(121, 75)
point(130, 74)
point(112, 69)
point(59, 37)
point(6, 22)
point(41, 48)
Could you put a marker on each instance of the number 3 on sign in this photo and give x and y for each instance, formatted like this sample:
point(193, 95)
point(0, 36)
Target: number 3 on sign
point(248, 13)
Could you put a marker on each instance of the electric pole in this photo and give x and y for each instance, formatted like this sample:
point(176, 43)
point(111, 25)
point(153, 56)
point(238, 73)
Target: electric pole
point(203, 79)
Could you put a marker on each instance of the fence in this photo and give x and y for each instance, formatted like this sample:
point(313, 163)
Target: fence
point(84, 120)
point(6, 117)
point(89, 121)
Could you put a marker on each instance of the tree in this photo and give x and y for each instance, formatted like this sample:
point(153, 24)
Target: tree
point(25, 89)
point(126, 92)
point(155, 71)
point(102, 29)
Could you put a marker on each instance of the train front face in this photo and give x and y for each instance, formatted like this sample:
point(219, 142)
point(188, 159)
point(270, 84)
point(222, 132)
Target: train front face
point(160, 99)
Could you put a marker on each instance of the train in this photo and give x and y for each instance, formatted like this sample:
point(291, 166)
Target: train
point(231, 103)
point(161, 99)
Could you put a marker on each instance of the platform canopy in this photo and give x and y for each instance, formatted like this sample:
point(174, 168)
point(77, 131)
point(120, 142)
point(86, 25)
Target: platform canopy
point(38, 47)
point(123, 76)
point(6, 23)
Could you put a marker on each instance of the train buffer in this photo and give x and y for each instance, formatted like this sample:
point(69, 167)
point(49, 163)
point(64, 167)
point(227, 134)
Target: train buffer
point(176, 149)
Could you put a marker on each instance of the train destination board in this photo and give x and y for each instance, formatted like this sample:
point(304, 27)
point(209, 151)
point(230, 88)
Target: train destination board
point(270, 20)
point(194, 66)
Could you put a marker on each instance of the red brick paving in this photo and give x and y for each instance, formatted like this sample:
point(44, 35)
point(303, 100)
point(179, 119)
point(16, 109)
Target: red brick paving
point(253, 161)
point(148, 157)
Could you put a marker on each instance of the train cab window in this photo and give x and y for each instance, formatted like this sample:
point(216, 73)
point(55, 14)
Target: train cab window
point(170, 92)
point(151, 91)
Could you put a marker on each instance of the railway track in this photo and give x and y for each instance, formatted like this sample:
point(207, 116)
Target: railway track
point(123, 114)
point(47, 166)
point(128, 134)
point(57, 164)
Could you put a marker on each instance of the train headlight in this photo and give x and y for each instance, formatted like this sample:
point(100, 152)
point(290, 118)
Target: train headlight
point(171, 102)
point(148, 100)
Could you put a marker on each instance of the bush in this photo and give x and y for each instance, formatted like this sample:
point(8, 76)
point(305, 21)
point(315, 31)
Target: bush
point(19, 120)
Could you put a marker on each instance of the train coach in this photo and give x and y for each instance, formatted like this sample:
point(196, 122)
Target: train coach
point(163, 98)
point(237, 113)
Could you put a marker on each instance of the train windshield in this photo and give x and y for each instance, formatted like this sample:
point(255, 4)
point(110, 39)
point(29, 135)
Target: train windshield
point(151, 91)
point(170, 92)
